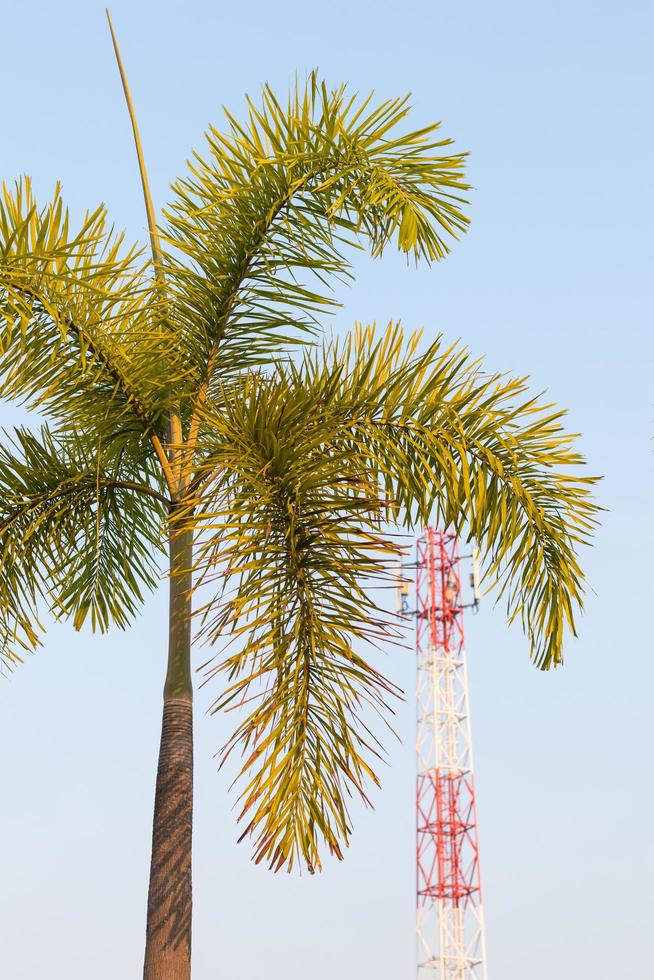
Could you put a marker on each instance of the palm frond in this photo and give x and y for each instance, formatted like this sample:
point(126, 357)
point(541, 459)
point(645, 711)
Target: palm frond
point(82, 333)
point(453, 444)
point(261, 221)
point(294, 542)
point(80, 527)
point(307, 467)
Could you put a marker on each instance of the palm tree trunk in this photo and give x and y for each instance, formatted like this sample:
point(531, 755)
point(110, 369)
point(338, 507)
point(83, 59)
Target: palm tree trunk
point(168, 935)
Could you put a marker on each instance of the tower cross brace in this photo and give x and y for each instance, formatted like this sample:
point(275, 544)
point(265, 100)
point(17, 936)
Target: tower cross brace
point(450, 923)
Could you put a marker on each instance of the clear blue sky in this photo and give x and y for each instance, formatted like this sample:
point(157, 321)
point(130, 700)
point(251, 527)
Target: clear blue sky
point(554, 103)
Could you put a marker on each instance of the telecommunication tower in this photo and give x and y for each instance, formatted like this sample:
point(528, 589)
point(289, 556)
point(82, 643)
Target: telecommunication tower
point(450, 923)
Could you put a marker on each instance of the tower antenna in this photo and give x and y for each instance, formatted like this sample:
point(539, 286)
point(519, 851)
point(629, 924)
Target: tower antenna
point(450, 922)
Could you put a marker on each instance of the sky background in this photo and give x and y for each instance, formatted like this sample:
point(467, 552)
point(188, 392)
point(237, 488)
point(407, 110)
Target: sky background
point(553, 102)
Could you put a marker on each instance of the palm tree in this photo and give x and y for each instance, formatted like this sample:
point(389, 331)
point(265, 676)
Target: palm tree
point(187, 405)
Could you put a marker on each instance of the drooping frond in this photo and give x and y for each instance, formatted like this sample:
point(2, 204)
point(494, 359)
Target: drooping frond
point(261, 220)
point(294, 541)
point(80, 527)
point(307, 466)
point(82, 332)
point(452, 444)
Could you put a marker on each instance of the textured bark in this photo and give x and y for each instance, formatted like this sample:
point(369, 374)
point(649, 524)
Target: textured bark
point(168, 938)
point(168, 933)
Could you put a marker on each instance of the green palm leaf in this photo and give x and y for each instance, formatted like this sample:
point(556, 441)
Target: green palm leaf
point(83, 336)
point(80, 528)
point(308, 465)
point(261, 222)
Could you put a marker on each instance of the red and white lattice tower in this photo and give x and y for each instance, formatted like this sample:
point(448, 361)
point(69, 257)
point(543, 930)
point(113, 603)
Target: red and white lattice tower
point(450, 923)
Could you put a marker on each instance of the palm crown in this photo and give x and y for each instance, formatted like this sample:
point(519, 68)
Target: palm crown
point(173, 403)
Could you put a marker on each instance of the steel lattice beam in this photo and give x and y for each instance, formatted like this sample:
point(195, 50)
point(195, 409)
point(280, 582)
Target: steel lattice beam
point(450, 924)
